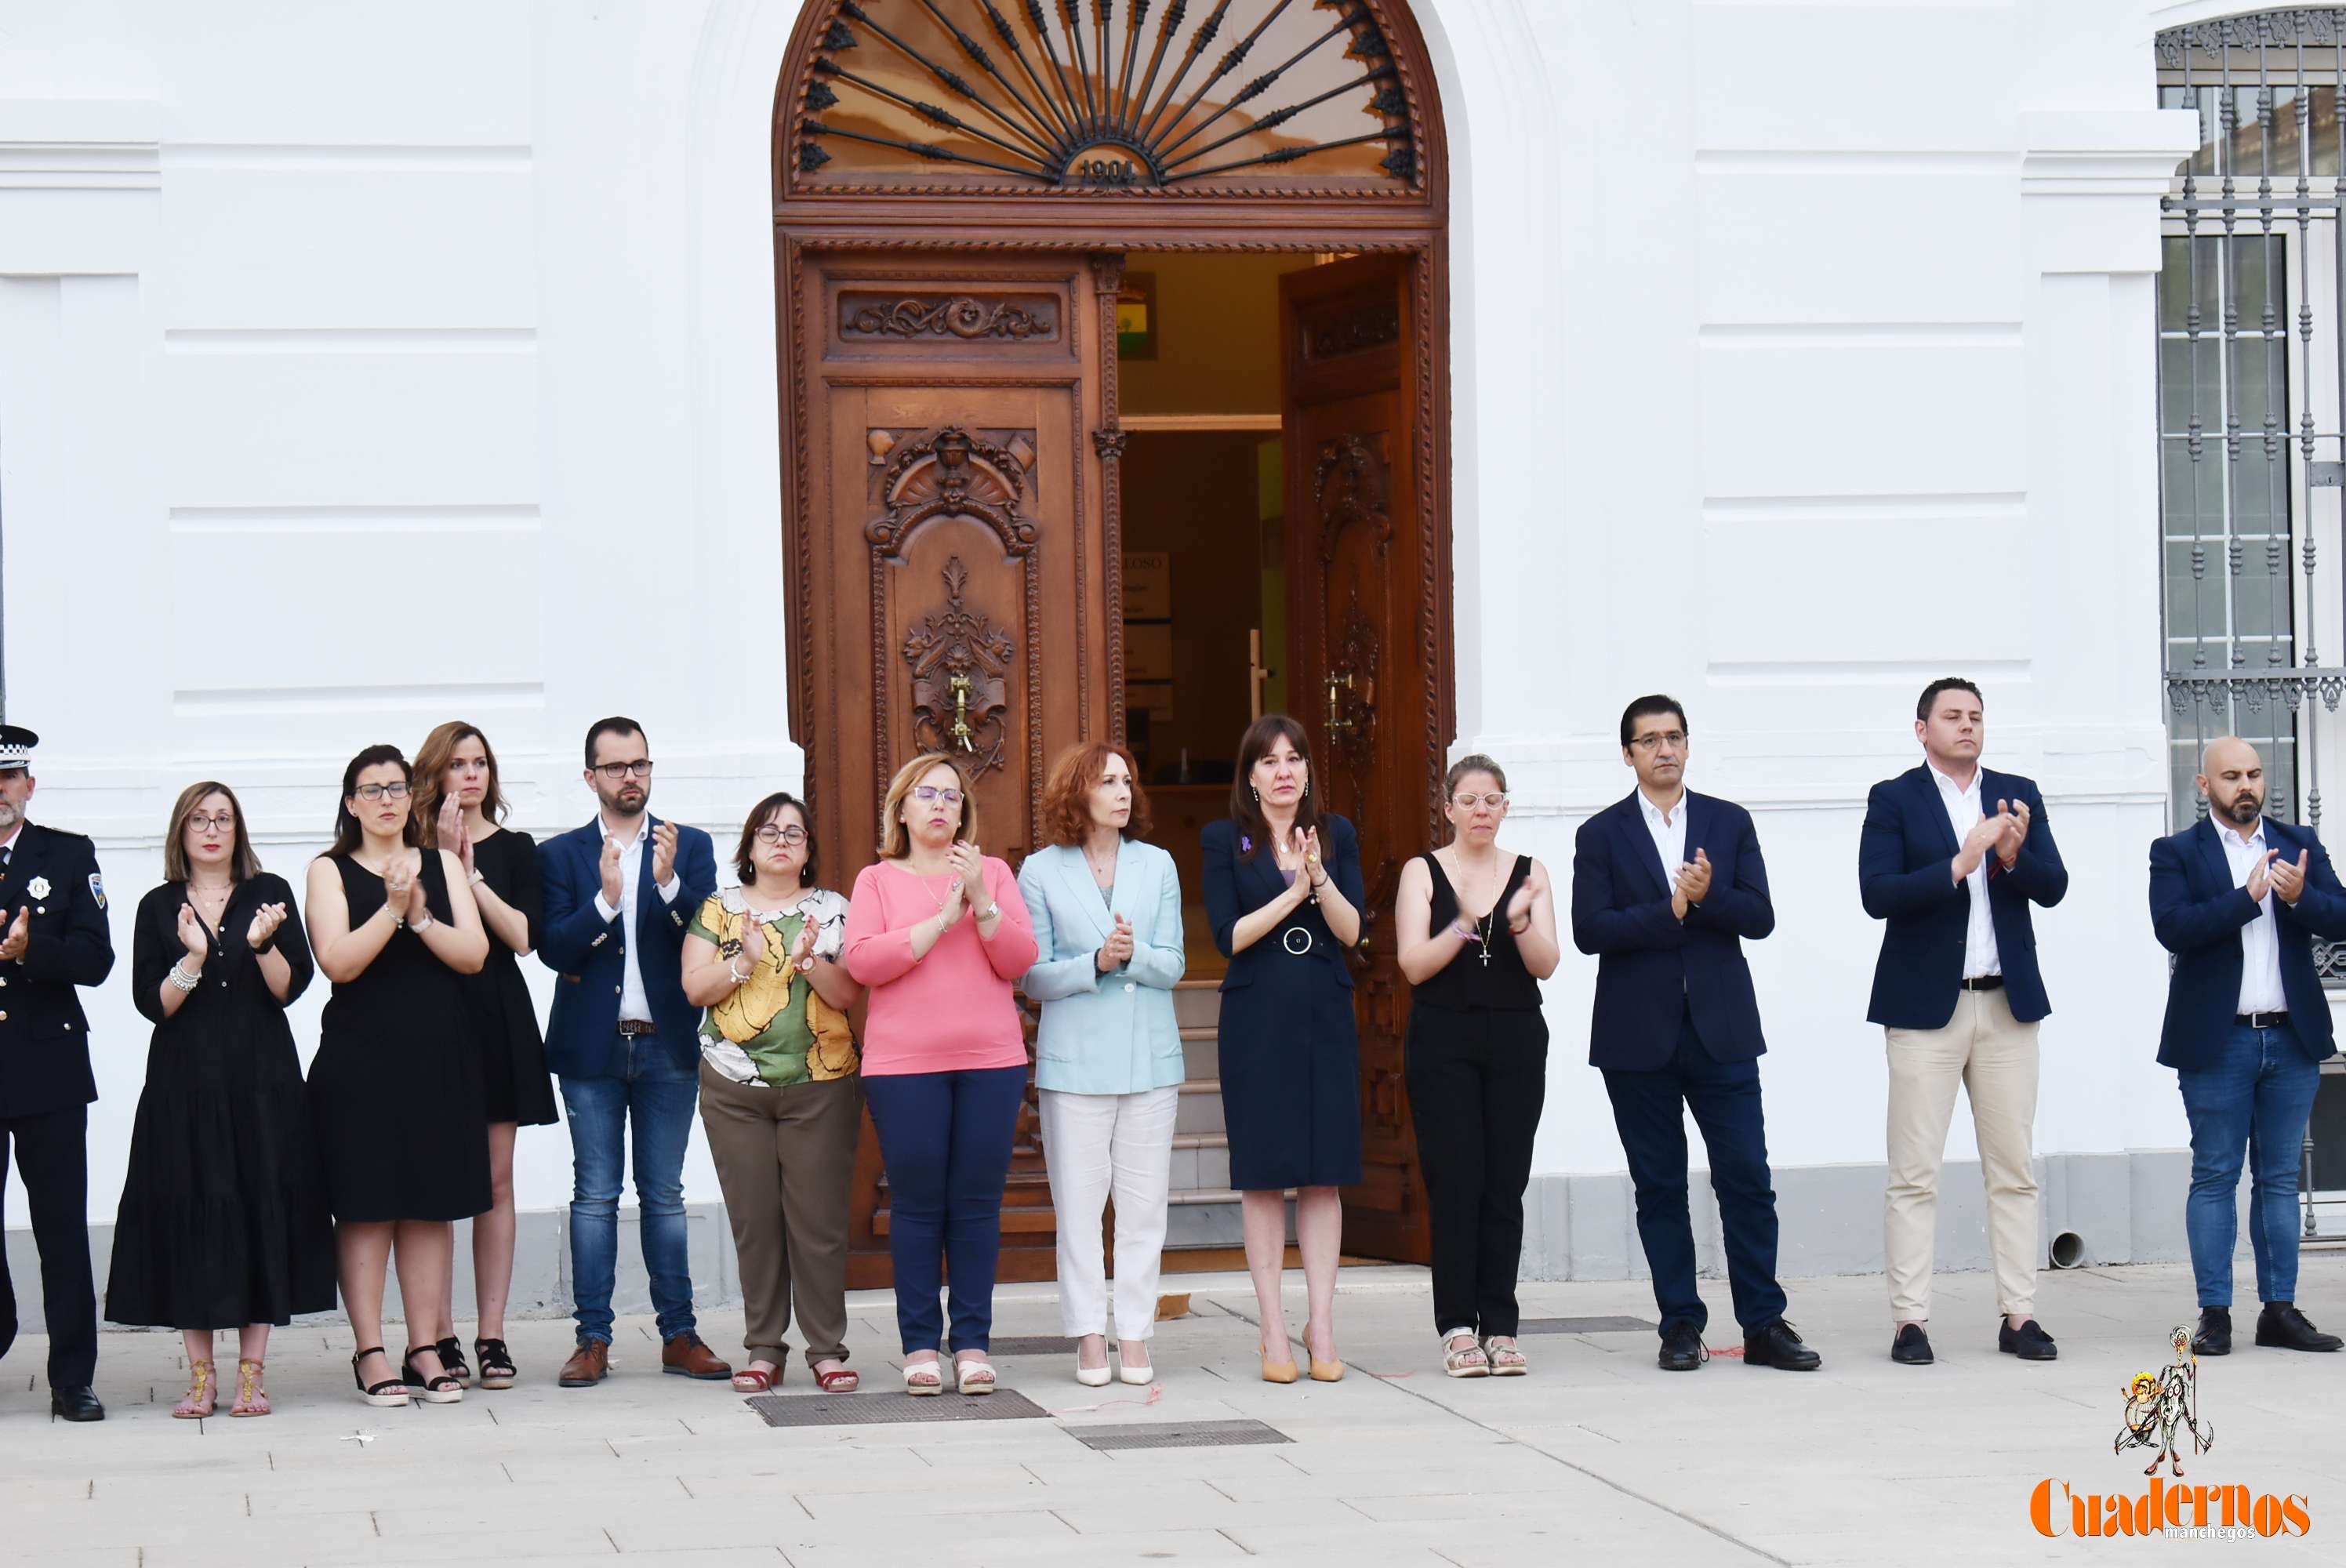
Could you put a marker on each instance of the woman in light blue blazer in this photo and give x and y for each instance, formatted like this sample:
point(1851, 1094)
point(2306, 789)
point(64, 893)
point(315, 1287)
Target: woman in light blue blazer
point(1107, 911)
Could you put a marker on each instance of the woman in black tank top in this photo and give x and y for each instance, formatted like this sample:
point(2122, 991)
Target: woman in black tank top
point(1476, 931)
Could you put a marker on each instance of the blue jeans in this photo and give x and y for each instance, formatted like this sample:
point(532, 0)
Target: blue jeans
point(2257, 1097)
point(660, 1096)
point(946, 1139)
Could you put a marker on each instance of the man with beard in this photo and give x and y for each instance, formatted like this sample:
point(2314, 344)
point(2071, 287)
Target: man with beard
point(53, 937)
point(2238, 899)
point(624, 1042)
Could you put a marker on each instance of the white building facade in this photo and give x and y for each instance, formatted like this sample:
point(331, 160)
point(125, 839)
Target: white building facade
point(364, 366)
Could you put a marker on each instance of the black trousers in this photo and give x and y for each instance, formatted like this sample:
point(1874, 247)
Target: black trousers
point(1476, 1083)
point(49, 1153)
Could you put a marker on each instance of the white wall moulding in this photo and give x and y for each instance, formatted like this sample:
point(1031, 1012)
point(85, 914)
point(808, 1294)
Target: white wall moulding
point(2087, 177)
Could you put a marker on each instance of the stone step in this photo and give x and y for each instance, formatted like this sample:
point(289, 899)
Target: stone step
point(1210, 1216)
point(1197, 1003)
point(1200, 1161)
point(1201, 1107)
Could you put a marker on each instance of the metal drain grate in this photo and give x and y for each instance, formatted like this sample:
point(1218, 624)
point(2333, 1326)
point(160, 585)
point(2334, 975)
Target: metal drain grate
point(1587, 1326)
point(1178, 1434)
point(892, 1409)
point(1033, 1345)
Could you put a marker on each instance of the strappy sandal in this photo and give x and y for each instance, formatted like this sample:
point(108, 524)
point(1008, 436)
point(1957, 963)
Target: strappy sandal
point(838, 1380)
point(973, 1377)
point(756, 1380)
point(442, 1390)
point(497, 1369)
point(1507, 1361)
point(451, 1351)
point(390, 1393)
point(200, 1396)
point(1467, 1362)
point(924, 1377)
point(251, 1399)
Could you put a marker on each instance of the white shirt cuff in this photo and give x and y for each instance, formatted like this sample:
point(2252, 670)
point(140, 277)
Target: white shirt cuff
point(605, 908)
point(670, 888)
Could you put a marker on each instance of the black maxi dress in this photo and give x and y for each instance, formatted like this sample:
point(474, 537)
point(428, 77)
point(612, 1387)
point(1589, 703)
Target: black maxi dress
point(514, 1087)
point(395, 1088)
point(222, 1222)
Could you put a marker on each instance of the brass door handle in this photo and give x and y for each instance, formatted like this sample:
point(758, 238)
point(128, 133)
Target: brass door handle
point(1336, 719)
point(962, 733)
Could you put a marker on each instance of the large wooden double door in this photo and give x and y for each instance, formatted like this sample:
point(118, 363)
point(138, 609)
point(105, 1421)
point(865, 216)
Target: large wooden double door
point(955, 575)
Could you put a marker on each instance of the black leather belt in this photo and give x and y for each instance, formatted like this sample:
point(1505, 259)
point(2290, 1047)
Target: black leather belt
point(1985, 983)
point(2261, 1020)
point(636, 1027)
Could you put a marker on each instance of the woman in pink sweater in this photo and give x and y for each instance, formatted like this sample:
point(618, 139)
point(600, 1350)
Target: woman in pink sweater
point(938, 932)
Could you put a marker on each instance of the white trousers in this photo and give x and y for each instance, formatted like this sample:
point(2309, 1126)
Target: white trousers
point(1093, 1145)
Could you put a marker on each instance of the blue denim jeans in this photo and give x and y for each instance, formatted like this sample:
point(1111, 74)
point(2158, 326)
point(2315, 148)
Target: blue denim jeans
point(2257, 1098)
point(946, 1138)
point(660, 1097)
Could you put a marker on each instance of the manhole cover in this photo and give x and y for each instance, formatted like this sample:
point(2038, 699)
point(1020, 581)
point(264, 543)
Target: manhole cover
point(1033, 1345)
point(1586, 1326)
point(885, 1410)
point(1178, 1434)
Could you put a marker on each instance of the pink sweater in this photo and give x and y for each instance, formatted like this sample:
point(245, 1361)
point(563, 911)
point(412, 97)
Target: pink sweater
point(949, 1010)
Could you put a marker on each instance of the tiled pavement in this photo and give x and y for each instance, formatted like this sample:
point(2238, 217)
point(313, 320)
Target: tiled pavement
point(1597, 1451)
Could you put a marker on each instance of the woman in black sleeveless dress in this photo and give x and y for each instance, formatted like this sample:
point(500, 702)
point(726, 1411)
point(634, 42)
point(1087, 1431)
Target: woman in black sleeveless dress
point(221, 1225)
point(460, 807)
point(395, 1088)
point(1475, 929)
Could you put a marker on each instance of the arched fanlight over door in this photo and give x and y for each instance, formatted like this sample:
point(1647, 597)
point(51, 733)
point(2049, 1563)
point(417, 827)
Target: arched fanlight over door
point(1214, 97)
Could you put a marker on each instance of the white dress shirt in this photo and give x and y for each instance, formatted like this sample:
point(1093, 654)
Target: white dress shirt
point(634, 1007)
point(1965, 813)
point(2260, 989)
point(1669, 831)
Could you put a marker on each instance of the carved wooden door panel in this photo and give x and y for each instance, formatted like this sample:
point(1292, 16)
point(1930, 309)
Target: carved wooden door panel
point(1365, 625)
point(956, 571)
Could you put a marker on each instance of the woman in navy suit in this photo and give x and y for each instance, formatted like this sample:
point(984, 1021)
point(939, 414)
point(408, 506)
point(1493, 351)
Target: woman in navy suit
point(1283, 894)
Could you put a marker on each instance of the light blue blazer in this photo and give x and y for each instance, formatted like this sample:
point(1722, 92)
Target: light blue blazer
point(1110, 1034)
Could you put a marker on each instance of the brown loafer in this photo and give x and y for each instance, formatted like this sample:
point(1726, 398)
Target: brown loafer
point(588, 1365)
point(687, 1357)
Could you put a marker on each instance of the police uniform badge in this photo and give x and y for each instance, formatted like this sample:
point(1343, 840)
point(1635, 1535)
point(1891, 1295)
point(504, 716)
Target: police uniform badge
point(38, 887)
point(97, 888)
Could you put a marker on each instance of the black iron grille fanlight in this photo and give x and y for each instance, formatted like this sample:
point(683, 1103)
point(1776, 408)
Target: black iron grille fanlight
point(1096, 95)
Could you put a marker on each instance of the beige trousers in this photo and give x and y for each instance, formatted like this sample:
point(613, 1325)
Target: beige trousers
point(785, 1161)
point(1994, 1056)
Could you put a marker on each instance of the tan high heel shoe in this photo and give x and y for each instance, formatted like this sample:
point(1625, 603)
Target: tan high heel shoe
point(1277, 1371)
point(251, 1399)
point(1330, 1371)
point(198, 1402)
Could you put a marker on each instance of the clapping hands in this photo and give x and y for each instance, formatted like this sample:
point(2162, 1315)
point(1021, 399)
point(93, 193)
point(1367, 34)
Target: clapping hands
point(193, 937)
point(265, 922)
point(455, 836)
point(1116, 952)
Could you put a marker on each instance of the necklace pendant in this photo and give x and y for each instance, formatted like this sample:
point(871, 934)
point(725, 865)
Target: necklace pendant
point(1486, 956)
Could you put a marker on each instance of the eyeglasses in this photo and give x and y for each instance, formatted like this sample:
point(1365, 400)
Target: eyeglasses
point(615, 772)
point(931, 792)
point(1468, 802)
point(769, 834)
point(1674, 739)
point(204, 823)
point(383, 791)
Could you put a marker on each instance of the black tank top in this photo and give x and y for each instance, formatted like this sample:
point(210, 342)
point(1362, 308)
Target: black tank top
point(1467, 983)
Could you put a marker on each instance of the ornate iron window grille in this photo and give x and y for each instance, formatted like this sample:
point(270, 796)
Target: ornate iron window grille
point(1107, 95)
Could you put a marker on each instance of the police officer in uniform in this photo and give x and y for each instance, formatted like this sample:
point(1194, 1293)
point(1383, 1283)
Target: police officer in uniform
point(53, 937)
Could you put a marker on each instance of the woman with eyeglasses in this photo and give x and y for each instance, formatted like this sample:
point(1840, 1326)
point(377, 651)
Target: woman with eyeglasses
point(460, 807)
point(220, 1225)
point(1475, 928)
point(395, 1093)
point(779, 1096)
point(1282, 882)
point(936, 930)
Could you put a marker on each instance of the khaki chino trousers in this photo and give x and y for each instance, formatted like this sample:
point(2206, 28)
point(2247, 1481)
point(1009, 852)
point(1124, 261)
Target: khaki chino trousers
point(1993, 1057)
point(785, 1161)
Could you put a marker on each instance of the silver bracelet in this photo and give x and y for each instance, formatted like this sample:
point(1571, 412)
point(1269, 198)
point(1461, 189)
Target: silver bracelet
point(738, 977)
point(419, 926)
point(182, 979)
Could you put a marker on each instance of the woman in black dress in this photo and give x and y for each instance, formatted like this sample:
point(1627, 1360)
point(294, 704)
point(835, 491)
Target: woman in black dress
point(220, 1226)
point(1475, 932)
point(459, 806)
point(1283, 893)
point(395, 1088)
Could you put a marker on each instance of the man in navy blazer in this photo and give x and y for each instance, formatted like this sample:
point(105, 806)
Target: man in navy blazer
point(1951, 857)
point(625, 1042)
point(2238, 898)
point(1666, 886)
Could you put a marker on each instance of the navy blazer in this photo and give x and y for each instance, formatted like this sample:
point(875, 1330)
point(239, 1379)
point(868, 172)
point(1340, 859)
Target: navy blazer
point(2200, 913)
point(1653, 971)
point(1905, 875)
point(1236, 886)
point(588, 952)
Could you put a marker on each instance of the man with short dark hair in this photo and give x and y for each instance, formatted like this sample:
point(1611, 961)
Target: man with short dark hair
point(1666, 887)
point(2238, 898)
point(52, 938)
point(623, 1040)
point(1951, 856)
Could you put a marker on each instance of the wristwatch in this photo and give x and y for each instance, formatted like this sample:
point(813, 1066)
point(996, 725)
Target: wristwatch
point(806, 964)
point(988, 912)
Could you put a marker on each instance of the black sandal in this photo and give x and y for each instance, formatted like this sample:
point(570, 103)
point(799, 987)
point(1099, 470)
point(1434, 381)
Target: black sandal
point(497, 1369)
point(451, 1358)
point(442, 1390)
point(391, 1391)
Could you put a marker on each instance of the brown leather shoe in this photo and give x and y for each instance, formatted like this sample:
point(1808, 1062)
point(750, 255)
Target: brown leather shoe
point(588, 1365)
point(687, 1356)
